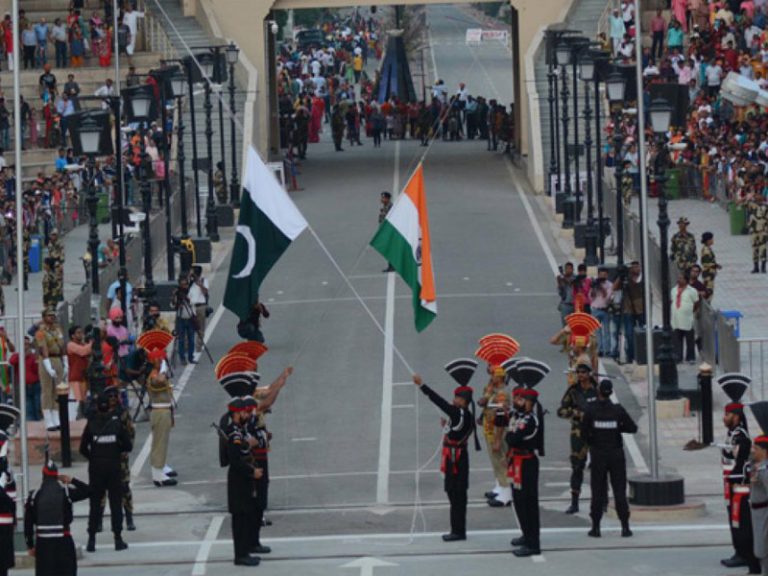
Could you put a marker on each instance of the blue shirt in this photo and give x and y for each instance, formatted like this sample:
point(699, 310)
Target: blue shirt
point(61, 163)
point(41, 31)
point(112, 290)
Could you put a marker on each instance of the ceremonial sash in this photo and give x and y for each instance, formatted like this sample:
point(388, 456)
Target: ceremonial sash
point(452, 450)
point(739, 493)
point(515, 468)
point(727, 469)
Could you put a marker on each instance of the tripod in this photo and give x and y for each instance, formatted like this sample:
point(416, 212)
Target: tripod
point(187, 308)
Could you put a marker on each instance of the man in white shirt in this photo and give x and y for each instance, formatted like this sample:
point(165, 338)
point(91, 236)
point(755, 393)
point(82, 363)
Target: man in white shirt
point(198, 298)
point(685, 303)
point(105, 92)
point(316, 67)
point(131, 19)
point(714, 74)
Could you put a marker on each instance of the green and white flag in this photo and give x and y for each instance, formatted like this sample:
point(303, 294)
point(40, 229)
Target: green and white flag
point(269, 221)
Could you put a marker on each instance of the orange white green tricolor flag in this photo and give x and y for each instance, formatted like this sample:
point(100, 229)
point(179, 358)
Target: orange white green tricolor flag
point(403, 239)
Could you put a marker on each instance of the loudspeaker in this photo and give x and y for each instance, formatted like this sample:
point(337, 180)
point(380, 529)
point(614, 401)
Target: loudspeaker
point(677, 97)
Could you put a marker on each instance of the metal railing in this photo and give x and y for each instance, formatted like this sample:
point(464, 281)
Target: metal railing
point(754, 353)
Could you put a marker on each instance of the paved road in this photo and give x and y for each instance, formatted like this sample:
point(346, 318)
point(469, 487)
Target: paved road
point(330, 501)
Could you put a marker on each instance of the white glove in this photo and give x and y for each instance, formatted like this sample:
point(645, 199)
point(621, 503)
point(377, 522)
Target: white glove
point(49, 367)
point(65, 360)
point(4, 480)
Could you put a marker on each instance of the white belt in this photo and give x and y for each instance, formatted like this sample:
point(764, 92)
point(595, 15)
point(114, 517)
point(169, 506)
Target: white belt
point(163, 405)
point(6, 519)
point(741, 489)
point(51, 535)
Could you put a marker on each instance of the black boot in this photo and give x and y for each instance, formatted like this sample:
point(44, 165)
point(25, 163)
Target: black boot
point(755, 268)
point(574, 507)
point(595, 531)
point(91, 546)
point(129, 525)
point(762, 267)
point(625, 531)
point(120, 543)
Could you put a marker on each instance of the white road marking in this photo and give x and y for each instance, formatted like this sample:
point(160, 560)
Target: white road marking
point(385, 431)
point(431, 45)
point(539, 558)
point(557, 484)
point(402, 383)
point(138, 464)
point(205, 546)
point(353, 538)
point(280, 292)
point(307, 439)
point(403, 406)
point(632, 447)
point(515, 292)
point(324, 283)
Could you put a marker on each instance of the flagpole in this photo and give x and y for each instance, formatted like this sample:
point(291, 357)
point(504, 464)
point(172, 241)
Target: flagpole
point(20, 254)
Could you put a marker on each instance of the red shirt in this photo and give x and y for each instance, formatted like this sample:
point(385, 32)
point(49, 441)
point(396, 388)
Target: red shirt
point(32, 376)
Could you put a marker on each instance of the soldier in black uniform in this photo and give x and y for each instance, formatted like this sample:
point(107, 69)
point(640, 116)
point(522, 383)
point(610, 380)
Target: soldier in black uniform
point(104, 440)
point(602, 426)
point(241, 483)
point(525, 439)
point(8, 417)
point(735, 455)
point(47, 523)
point(572, 407)
point(455, 457)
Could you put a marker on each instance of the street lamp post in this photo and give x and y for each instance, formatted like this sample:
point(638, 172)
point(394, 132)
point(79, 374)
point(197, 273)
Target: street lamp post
point(661, 115)
point(563, 54)
point(189, 65)
point(219, 72)
point(587, 73)
point(575, 50)
point(207, 64)
point(178, 85)
point(233, 54)
point(599, 58)
point(616, 86)
point(139, 109)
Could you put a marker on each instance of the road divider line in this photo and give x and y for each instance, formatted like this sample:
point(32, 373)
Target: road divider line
point(205, 546)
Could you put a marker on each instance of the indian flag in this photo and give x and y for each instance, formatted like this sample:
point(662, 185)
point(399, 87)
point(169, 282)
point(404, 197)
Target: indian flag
point(403, 239)
point(269, 221)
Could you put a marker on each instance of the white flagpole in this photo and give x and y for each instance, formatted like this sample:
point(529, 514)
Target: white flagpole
point(647, 303)
point(20, 256)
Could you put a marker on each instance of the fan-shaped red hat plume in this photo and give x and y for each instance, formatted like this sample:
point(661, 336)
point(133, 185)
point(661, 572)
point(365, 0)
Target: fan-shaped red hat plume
point(497, 348)
point(154, 340)
point(231, 363)
point(582, 326)
point(253, 349)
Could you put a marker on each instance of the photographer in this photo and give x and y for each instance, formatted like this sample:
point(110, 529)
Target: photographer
point(153, 320)
point(601, 293)
point(185, 322)
point(631, 285)
point(582, 291)
point(565, 290)
point(198, 297)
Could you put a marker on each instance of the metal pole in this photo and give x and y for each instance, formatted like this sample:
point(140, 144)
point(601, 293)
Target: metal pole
point(568, 220)
point(211, 223)
point(557, 132)
point(576, 175)
point(118, 150)
point(234, 181)
point(552, 143)
point(170, 255)
point(221, 134)
point(20, 256)
point(599, 158)
point(590, 232)
point(180, 162)
point(93, 236)
point(648, 303)
point(122, 274)
point(195, 156)
point(618, 142)
point(146, 194)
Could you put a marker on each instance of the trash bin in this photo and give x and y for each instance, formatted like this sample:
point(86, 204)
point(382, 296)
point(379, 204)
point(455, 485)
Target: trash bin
point(672, 185)
point(733, 319)
point(102, 209)
point(738, 217)
point(35, 253)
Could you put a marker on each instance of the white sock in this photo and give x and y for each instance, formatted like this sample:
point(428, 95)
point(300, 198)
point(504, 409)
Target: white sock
point(158, 475)
point(55, 417)
point(504, 495)
point(496, 489)
point(167, 469)
point(48, 418)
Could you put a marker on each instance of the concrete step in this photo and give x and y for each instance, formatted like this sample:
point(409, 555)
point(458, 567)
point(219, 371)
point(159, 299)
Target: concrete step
point(50, 5)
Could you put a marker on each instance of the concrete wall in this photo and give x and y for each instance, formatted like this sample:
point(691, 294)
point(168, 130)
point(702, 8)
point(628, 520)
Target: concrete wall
point(243, 21)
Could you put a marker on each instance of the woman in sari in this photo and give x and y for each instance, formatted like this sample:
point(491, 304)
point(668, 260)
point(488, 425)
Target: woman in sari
point(316, 119)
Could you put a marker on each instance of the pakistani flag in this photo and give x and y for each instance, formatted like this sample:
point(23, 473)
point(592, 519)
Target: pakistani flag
point(269, 221)
point(403, 239)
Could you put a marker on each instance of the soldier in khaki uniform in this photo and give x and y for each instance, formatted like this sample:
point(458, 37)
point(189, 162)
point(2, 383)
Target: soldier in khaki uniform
point(496, 400)
point(52, 365)
point(757, 223)
point(683, 247)
point(160, 394)
point(709, 265)
point(56, 252)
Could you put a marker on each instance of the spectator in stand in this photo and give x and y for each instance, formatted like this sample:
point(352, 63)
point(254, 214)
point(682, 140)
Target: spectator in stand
point(617, 31)
point(32, 377)
point(685, 305)
point(658, 29)
point(675, 36)
point(42, 31)
point(60, 36)
point(79, 355)
point(28, 46)
point(72, 89)
point(65, 109)
point(47, 83)
point(601, 293)
point(5, 125)
point(76, 46)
